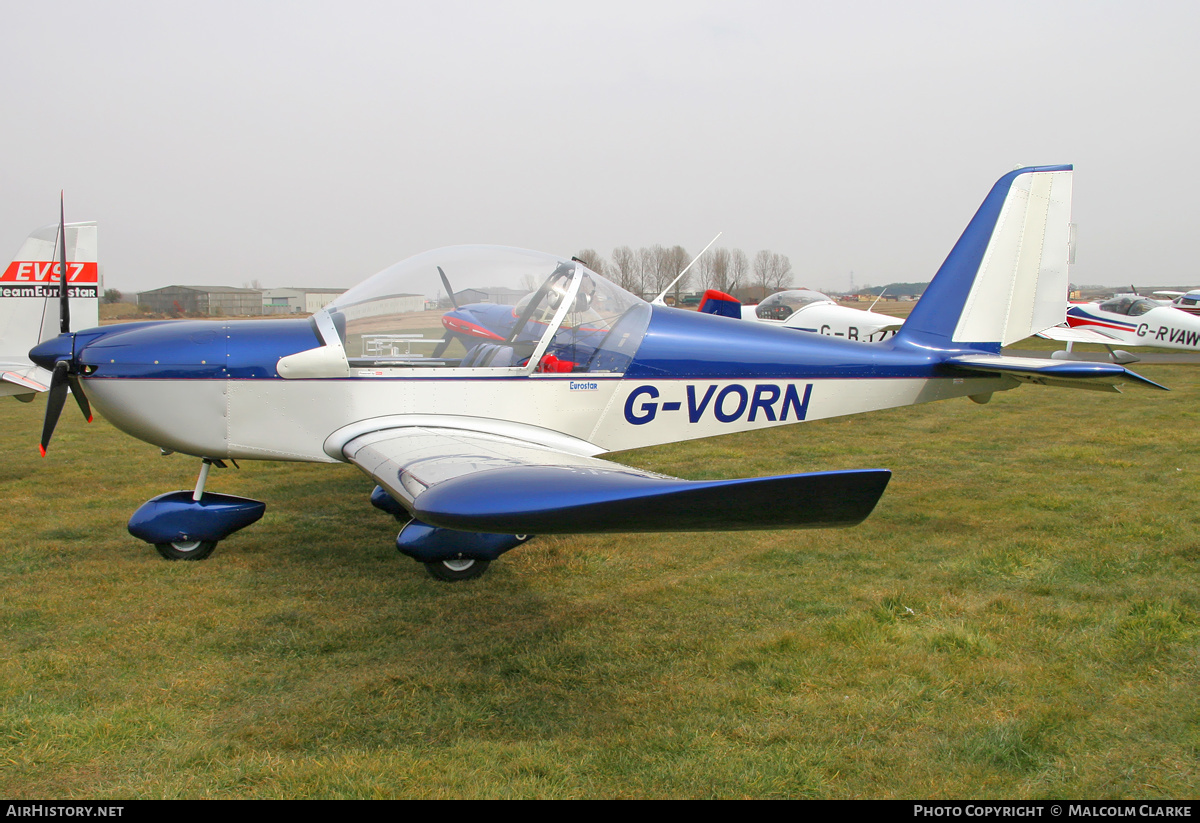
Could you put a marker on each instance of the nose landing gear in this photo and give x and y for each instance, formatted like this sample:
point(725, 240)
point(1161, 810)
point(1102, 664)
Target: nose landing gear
point(187, 525)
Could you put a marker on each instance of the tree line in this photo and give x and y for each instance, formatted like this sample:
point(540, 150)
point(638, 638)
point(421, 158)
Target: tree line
point(648, 270)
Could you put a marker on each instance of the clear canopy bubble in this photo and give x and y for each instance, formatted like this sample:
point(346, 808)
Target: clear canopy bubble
point(489, 307)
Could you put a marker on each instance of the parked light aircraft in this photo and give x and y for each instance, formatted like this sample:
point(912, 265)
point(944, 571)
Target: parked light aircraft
point(1188, 301)
point(808, 310)
point(28, 287)
point(1128, 320)
point(478, 446)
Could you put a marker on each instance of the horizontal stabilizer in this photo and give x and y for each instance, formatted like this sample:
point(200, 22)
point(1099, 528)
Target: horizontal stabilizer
point(566, 500)
point(1069, 374)
point(25, 378)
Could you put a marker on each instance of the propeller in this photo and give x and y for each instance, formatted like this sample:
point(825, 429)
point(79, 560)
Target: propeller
point(64, 375)
point(64, 303)
point(440, 349)
point(449, 291)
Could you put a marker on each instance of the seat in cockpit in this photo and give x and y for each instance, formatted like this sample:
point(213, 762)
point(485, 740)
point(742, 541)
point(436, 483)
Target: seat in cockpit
point(490, 355)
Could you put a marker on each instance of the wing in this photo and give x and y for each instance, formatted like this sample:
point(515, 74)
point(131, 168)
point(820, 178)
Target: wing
point(1071, 374)
point(477, 482)
point(1066, 334)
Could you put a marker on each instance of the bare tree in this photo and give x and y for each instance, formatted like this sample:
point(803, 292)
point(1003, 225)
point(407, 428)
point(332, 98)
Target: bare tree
point(676, 260)
point(772, 272)
point(650, 269)
point(762, 273)
point(651, 258)
point(781, 272)
point(591, 259)
point(702, 274)
point(720, 268)
point(626, 269)
point(739, 268)
point(713, 270)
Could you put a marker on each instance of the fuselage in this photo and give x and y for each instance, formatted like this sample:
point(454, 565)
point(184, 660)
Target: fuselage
point(811, 311)
point(1139, 322)
point(214, 388)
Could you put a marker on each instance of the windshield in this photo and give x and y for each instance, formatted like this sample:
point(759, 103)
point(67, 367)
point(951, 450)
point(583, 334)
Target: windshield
point(489, 307)
point(784, 304)
point(1131, 306)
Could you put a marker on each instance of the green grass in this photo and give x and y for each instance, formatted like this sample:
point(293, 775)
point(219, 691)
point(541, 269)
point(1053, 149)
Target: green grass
point(1019, 618)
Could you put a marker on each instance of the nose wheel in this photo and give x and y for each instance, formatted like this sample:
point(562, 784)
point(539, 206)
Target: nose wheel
point(187, 525)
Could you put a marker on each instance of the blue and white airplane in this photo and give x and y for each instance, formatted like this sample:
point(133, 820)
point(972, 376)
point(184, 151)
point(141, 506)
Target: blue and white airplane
point(481, 445)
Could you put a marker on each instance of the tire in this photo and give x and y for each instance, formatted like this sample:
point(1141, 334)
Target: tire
point(452, 571)
point(186, 549)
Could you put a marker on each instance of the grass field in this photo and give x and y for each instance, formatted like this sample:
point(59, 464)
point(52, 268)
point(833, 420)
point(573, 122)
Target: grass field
point(1018, 619)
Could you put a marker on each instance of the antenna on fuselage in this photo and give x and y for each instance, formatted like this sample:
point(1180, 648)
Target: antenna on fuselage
point(659, 301)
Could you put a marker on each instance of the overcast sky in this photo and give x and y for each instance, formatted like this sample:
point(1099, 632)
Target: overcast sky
point(304, 143)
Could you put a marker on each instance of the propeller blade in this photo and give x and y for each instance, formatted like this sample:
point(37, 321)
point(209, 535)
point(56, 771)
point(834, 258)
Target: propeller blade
point(64, 304)
point(54, 402)
point(449, 291)
point(80, 397)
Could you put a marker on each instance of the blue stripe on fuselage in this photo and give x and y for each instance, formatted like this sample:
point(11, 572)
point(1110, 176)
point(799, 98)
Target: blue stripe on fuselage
point(678, 344)
point(686, 344)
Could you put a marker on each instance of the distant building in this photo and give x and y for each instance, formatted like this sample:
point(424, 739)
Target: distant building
point(297, 301)
point(213, 301)
point(384, 305)
point(498, 295)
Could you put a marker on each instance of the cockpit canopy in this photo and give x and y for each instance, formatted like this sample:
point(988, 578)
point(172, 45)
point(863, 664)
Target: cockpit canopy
point(489, 307)
point(782, 305)
point(1131, 306)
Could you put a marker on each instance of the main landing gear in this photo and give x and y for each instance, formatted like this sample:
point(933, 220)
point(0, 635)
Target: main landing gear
point(187, 525)
point(186, 549)
point(447, 555)
point(458, 569)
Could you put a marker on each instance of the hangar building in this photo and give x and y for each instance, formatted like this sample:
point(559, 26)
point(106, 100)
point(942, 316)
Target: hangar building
point(297, 301)
point(214, 301)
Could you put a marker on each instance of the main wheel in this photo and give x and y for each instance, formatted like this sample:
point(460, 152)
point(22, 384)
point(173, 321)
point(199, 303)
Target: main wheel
point(458, 569)
point(186, 549)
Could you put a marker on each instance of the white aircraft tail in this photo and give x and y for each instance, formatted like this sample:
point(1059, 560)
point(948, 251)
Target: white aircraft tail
point(29, 305)
point(29, 287)
point(1006, 277)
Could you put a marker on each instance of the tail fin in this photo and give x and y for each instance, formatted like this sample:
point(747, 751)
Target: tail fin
point(29, 288)
point(1006, 277)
